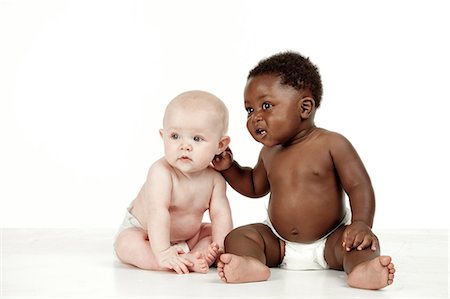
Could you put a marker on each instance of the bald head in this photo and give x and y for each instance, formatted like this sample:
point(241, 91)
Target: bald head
point(199, 101)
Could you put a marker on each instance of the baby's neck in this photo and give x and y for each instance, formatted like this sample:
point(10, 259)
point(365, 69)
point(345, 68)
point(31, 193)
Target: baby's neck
point(301, 135)
point(190, 175)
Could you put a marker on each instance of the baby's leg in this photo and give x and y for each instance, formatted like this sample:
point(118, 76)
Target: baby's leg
point(249, 252)
point(132, 247)
point(366, 269)
point(203, 251)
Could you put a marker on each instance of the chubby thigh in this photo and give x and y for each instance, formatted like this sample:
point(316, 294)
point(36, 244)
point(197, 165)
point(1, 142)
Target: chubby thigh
point(256, 240)
point(133, 247)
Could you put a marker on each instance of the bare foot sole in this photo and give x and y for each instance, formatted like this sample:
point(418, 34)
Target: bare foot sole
point(234, 268)
point(373, 275)
point(200, 264)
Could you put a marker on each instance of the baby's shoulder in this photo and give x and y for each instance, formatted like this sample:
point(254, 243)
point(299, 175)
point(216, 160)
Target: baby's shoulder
point(326, 133)
point(160, 167)
point(334, 141)
point(329, 135)
point(214, 174)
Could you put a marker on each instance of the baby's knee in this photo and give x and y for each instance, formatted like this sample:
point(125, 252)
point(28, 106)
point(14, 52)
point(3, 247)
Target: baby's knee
point(122, 244)
point(126, 240)
point(242, 233)
point(121, 247)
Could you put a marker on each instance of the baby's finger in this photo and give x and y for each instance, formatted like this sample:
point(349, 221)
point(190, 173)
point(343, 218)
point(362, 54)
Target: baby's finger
point(186, 262)
point(181, 260)
point(182, 269)
point(359, 238)
point(221, 156)
point(175, 268)
point(365, 242)
point(344, 237)
point(348, 241)
point(374, 243)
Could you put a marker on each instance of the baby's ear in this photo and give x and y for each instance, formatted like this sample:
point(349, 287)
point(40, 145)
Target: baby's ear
point(161, 133)
point(307, 105)
point(223, 144)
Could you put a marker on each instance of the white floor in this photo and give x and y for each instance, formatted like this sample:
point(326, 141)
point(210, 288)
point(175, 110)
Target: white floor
point(55, 263)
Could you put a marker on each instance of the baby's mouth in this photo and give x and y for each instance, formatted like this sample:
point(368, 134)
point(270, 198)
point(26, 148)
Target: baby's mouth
point(184, 158)
point(261, 132)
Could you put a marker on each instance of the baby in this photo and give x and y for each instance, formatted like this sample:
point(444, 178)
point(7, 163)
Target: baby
point(163, 226)
point(307, 170)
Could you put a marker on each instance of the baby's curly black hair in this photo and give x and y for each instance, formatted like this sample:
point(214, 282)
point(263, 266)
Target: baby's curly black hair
point(294, 70)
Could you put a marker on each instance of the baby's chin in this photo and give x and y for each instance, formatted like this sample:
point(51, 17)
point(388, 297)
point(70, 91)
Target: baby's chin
point(265, 140)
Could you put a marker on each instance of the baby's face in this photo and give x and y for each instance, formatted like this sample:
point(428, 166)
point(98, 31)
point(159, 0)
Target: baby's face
point(191, 139)
point(273, 112)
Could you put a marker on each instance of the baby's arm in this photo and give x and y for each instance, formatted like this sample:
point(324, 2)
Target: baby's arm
point(220, 212)
point(356, 183)
point(251, 182)
point(157, 193)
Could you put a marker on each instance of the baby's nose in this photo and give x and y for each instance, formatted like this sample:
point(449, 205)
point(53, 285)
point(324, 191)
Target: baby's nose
point(186, 146)
point(257, 119)
point(257, 116)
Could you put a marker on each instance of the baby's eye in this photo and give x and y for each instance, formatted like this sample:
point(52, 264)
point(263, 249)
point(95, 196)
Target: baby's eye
point(198, 138)
point(266, 105)
point(174, 136)
point(249, 110)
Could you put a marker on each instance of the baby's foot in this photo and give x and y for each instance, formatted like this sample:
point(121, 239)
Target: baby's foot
point(211, 253)
point(373, 275)
point(200, 264)
point(234, 268)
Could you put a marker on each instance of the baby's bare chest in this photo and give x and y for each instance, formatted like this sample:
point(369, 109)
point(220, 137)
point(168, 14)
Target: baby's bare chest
point(297, 163)
point(191, 196)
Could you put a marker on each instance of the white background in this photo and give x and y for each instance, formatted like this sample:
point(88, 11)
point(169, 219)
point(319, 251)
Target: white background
point(83, 86)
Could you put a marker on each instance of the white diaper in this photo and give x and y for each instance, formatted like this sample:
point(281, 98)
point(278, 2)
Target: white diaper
point(301, 256)
point(129, 221)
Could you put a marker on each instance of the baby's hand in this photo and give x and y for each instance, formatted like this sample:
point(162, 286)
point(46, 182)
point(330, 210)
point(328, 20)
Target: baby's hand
point(359, 236)
point(171, 259)
point(223, 161)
